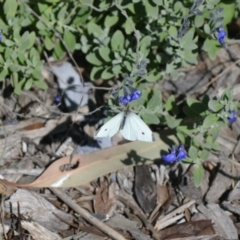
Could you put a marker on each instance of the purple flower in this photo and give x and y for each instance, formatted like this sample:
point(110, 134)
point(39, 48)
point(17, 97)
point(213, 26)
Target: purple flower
point(136, 94)
point(221, 35)
point(171, 157)
point(176, 154)
point(182, 154)
point(232, 117)
point(57, 99)
point(125, 99)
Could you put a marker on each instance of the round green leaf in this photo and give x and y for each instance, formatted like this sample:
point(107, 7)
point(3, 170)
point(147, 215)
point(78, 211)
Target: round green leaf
point(69, 40)
point(193, 153)
point(104, 53)
point(198, 175)
point(209, 120)
point(215, 105)
point(117, 41)
point(93, 59)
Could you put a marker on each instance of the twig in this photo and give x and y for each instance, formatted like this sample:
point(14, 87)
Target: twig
point(173, 213)
point(4, 147)
point(87, 216)
point(219, 75)
point(140, 215)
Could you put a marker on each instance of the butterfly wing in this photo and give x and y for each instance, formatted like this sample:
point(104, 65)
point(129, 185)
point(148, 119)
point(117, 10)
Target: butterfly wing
point(111, 127)
point(136, 129)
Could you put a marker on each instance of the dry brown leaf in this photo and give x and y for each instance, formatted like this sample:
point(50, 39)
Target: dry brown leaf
point(162, 194)
point(188, 229)
point(96, 164)
point(105, 199)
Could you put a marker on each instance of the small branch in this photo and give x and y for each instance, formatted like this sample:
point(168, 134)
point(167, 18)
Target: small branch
point(86, 215)
point(140, 215)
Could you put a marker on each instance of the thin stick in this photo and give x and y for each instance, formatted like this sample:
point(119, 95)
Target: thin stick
point(140, 215)
point(86, 215)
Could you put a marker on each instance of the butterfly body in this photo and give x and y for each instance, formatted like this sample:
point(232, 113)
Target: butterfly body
point(129, 124)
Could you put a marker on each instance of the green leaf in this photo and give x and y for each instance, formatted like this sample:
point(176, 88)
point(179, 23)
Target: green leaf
point(187, 38)
point(9, 43)
point(190, 57)
point(207, 28)
point(199, 20)
point(170, 105)
point(117, 69)
point(10, 8)
point(3, 74)
point(204, 154)
point(193, 153)
point(150, 118)
point(181, 137)
point(196, 106)
point(117, 41)
point(151, 10)
point(196, 142)
point(107, 73)
point(94, 29)
point(155, 101)
point(228, 9)
point(128, 26)
point(110, 20)
point(185, 130)
point(69, 40)
point(174, 75)
point(210, 46)
point(104, 52)
point(96, 73)
point(216, 146)
point(172, 31)
point(190, 46)
point(62, 13)
point(158, 2)
point(28, 84)
point(209, 120)
point(215, 105)
point(93, 59)
point(172, 122)
point(198, 175)
point(48, 43)
point(227, 94)
point(40, 84)
point(145, 45)
point(153, 76)
point(215, 133)
point(58, 51)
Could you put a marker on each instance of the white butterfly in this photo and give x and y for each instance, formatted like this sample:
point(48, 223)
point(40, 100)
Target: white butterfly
point(130, 125)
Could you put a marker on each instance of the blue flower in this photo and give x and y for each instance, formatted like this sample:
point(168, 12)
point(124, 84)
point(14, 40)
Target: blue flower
point(57, 99)
point(176, 154)
point(182, 154)
point(171, 157)
point(134, 95)
point(221, 35)
point(125, 99)
point(232, 117)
